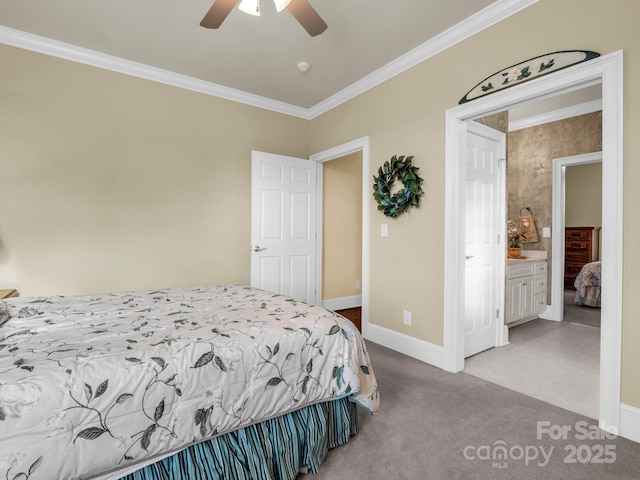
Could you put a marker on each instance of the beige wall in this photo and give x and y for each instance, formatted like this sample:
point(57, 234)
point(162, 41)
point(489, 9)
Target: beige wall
point(405, 115)
point(109, 182)
point(583, 195)
point(342, 226)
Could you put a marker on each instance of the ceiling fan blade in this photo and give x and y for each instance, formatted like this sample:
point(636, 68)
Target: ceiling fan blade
point(307, 16)
point(217, 13)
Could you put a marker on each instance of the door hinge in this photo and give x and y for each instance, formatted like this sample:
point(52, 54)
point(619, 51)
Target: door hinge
point(497, 313)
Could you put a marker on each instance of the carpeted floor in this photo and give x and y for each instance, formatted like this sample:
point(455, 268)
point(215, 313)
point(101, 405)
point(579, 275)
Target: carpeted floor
point(429, 420)
point(557, 362)
point(579, 313)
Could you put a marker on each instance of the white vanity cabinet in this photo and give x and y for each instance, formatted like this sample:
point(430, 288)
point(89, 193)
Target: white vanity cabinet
point(526, 290)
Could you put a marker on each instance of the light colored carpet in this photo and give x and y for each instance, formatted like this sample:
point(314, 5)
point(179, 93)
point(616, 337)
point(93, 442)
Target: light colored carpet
point(556, 362)
point(429, 418)
point(579, 313)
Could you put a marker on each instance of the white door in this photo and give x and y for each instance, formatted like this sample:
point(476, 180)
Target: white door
point(483, 227)
point(283, 225)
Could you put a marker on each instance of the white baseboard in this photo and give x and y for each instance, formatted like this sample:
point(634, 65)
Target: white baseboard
point(434, 355)
point(548, 314)
point(343, 302)
point(413, 347)
point(630, 422)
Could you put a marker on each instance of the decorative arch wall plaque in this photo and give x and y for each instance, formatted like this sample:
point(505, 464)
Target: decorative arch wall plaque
point(528, 70)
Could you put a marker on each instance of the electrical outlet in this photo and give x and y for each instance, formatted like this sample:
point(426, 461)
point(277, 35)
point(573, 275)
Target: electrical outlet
point(384, 230)
point(546, 232)
point(406, 317)
point(358, 285)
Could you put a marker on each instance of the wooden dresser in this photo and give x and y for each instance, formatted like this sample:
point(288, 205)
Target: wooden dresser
point(580, 247)
point(9, 292)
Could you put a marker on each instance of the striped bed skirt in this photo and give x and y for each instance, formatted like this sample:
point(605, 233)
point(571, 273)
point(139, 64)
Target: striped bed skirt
point(275, 449)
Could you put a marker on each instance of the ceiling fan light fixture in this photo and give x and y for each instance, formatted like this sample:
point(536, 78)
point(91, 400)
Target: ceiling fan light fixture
point(301, 10)
point(281, 4)
point(252, 7)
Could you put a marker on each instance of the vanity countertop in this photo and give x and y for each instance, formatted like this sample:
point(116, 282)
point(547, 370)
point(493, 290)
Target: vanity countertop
point(525, 259)
point(529, 256)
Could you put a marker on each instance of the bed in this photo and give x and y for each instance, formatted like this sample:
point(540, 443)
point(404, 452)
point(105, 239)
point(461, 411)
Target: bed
point(587, 284)
point(206, 382)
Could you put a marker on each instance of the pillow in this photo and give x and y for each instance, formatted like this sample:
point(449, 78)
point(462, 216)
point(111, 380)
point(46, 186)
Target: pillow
point(4, 313)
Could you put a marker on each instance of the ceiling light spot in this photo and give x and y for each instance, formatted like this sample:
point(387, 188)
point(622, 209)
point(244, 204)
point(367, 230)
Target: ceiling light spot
point(304, 67)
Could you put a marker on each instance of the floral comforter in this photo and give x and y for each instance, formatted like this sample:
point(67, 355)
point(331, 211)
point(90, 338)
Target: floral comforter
point(588, 285)
point(97, 384)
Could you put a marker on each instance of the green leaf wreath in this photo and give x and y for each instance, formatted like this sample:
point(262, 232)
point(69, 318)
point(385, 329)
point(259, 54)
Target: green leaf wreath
point(398, 168)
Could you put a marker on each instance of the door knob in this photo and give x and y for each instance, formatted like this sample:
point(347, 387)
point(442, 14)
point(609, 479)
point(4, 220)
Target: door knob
point(469, 257)
point(258, 249)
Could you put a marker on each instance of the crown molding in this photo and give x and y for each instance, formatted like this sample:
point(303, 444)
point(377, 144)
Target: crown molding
point(555, 115)
point(28, 41)
point(483, 19)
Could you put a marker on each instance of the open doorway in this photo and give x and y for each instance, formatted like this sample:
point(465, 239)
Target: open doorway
point(556, 363)
point(606, 71)
point(361, 148)
point(577, 191)
point(342, 236)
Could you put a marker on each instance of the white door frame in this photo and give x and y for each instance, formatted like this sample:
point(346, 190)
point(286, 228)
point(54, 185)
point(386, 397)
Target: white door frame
point(555, 311)
point(608, 71)
point(358, 145)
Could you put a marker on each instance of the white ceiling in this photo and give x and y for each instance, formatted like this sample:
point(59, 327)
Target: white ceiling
point(257, 55)
point(539, 107)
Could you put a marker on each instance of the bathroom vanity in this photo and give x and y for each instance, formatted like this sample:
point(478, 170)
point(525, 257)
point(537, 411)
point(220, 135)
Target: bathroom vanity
point(526, 289)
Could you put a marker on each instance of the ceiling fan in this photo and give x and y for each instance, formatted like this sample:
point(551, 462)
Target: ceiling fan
point(300, 9)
